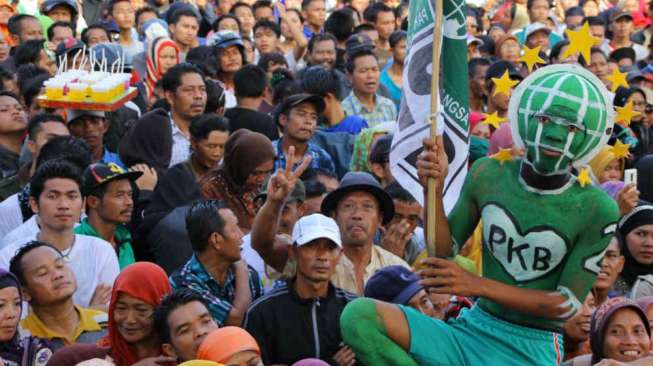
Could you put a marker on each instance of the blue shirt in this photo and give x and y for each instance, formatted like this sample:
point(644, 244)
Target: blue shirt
point(351, 124)
point(219, 298)
point(321, 159)
point(393, 89)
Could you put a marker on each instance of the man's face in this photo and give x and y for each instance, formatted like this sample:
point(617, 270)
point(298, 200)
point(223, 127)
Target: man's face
point(574, 21)
point(421, 302)
point(231, 59)
point(48, 131)
point(477, 81)
point(59, 205)
point(13, 118)
point(265, 40)
point(365, 77)
point(409, 212)
point(185, 30)
point(225, 6)
point(123, 14)
point(210, 150)
point(46, 63)
point(246, 18)
point(598, 31)
point(232, 236)
point(142, 18)
point(60, 34)
point(48, 279)
point(499, 100)
point(539, 38)
point(599, 65)
point(622, 27)
point(117, 204)
point(577, 329)
point(385, 24)
point(539, 11)
point(399, 52)
point(290, 213)
point(61, 13)
point(317, 260)
point(189, 324)
point(228, 24)
point(91, 129)
point(324, 53)
point(264, 12)
point(359, 216)
point(611, 266)
point(315, 13)
point(189, 100)
point(4, 47)
point(96, 35)
point(300, 122)
point(30, 29)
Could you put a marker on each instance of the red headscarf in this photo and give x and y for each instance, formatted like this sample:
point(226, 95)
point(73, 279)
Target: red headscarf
point(144, 281)
point(153, 61)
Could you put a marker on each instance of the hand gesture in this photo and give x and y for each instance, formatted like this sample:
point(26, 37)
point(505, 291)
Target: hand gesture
point(283, 181)
point(281, 9)
point(447, 277)
point(396, 236)
point(433, 162)
point(627, 198)
point(345, 357)
point(148, 180)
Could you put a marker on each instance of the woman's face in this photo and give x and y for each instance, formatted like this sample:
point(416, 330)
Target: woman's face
point(10, 307)
point(210, 150)
point(167, 59)
point(590, 9)
point(612, 172)
point(640, 244)
point(293, 18)
point(258, 176)
point(510, 51)
point(577, 329)
point(228, 24)
point(625, 338)
point(639, 105)
point(133, 318)
point(482, 130)
point(611, 266)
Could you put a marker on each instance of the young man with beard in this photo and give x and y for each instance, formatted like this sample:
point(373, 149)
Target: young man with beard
point(297, 116)
point(109, 206)
point(182, 321)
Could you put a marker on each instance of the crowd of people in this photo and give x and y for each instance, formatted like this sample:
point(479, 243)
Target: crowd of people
point(232, 210)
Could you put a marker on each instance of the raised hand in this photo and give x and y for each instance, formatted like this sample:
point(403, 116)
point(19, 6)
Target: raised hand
point(433, 162)
point(283, 181)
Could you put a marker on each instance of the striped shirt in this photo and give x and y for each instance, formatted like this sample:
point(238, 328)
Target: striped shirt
point(219, 298)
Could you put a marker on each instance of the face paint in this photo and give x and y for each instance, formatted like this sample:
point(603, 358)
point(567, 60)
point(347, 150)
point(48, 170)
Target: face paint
point(562, 115)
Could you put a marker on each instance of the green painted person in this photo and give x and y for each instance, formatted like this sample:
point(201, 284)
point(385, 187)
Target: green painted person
point(544, 236)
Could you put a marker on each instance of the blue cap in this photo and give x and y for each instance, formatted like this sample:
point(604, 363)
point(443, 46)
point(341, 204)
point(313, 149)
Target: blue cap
point(224, 39)
point(393, 284)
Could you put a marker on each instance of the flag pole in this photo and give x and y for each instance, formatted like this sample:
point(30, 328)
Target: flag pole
point(435, 84)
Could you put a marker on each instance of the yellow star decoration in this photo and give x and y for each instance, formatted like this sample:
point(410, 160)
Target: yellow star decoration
point(580, 41)
point(625, 114)
point(503, 155)
point(531, 57)
point(493, 120)
point(617, 79)
point(584, 177)
point(504, 84)
point(620, 150)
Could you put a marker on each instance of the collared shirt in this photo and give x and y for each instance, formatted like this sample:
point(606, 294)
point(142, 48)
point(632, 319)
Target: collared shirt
point(345, 276)
point(384, 109)
point(91, 327)
point(321, 159)
point(180, 145)
point(121, 235)
point(194, 276)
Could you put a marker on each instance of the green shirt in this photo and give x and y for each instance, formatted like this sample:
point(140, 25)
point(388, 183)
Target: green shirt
point(549, 241)
point(122, 237)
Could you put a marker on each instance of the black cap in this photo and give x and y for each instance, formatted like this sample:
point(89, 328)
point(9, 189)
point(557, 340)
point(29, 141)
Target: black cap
point(359, 181)
point(48, 5)
point(621, 14)
point(497, 69)
point(297, 99)
point(98, 174)
point(394, 284)
point(359, 42)
point(622, 53)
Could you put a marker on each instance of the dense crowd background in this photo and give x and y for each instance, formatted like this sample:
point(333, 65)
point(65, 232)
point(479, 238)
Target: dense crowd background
point(232, 209)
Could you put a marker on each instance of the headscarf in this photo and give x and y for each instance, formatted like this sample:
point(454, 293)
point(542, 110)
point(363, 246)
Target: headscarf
point(501, 139)
point(602, 159)
point(11, 350)
point(222, 344)
point(144, 281)
point(601, 319)
point(640, 215)
point(153, 59)
point(244, 151)
point(645, 302)
point(645, 178)
point(362, 146)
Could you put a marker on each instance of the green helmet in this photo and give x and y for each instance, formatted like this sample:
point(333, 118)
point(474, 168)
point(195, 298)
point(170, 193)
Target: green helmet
point(561, 115)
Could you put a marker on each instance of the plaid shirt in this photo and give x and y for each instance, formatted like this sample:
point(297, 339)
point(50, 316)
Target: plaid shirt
point(384, 109)
point(219, 298)
point(321, 159)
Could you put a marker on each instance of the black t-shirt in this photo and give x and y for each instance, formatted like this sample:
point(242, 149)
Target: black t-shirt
point(253, 121)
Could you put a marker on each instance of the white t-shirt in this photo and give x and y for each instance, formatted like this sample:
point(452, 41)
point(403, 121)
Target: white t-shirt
point(92, 260)
point(28, 229)
point(10, 215)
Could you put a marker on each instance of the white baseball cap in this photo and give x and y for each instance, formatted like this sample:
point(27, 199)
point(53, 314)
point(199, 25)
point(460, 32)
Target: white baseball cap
point(315, 226)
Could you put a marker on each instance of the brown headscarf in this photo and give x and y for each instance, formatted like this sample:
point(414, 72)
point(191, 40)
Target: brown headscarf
point(244, 151)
